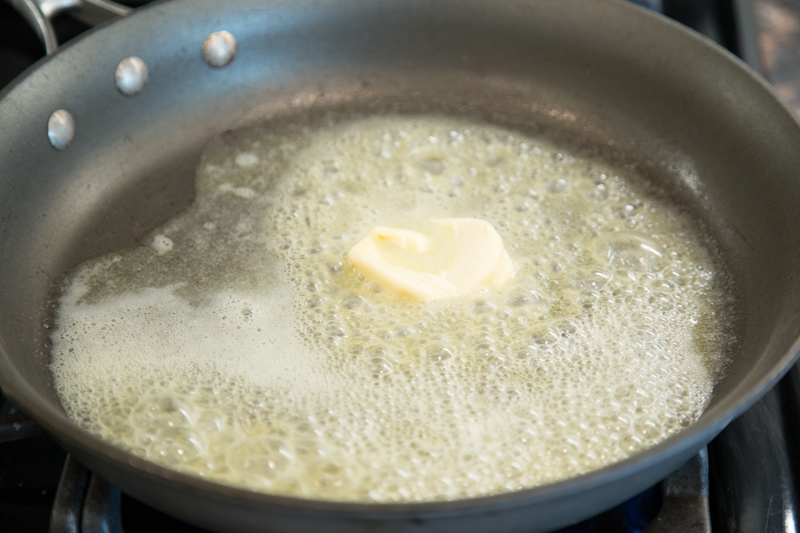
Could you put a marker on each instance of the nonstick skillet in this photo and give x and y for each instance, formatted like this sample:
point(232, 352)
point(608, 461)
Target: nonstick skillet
point(90, 162)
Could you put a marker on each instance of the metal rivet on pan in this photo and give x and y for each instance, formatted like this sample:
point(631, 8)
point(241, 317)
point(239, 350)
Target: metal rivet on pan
point(60, 129)
point(219, 49)
point(131, 75)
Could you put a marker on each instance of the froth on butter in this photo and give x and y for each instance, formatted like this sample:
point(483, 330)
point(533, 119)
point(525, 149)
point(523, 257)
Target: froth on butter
point(277, 370)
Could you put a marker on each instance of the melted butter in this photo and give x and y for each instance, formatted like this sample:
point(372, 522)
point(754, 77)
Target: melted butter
point(237, 343)
point(457, 257)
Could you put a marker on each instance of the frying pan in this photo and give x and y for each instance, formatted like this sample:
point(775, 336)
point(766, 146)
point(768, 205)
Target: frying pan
point(691, 117)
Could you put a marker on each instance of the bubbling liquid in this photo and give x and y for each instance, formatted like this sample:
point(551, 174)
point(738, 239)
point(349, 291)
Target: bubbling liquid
point(239, 345)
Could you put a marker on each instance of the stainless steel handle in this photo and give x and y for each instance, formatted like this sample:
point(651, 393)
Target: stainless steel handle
point(39, 14)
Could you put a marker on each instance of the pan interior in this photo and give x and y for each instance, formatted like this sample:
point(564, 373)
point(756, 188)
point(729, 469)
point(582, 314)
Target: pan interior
point(264, 250)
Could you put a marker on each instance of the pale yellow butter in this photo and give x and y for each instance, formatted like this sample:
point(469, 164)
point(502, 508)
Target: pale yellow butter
point(459, 256)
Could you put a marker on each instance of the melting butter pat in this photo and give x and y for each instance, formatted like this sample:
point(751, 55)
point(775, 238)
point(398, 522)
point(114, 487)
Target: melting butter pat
point(454, 256)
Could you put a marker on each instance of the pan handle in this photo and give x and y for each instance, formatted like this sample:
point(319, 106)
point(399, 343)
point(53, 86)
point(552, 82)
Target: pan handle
point(39, 14)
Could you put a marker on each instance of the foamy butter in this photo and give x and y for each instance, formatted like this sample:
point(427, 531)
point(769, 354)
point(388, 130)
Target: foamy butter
point(406, 262)
point(254, 354)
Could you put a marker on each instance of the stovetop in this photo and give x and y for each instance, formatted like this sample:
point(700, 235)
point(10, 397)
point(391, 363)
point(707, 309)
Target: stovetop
point(746, 480)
